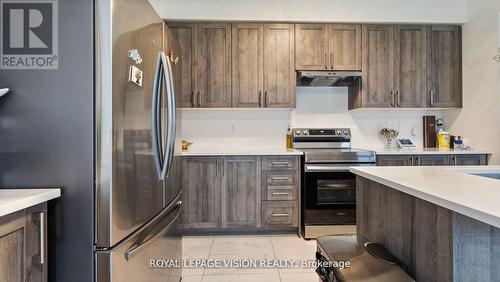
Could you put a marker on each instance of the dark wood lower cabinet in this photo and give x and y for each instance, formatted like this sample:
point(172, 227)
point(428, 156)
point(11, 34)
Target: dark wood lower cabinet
point(432, 160)
point(238, 193)
point(241, 192)
point(201, 192)
point(22, 253)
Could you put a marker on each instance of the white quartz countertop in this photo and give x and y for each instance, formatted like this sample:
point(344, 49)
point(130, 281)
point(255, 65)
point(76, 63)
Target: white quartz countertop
point(453, 188)
point(12, 200)
point(426, 151)
point(241, 151)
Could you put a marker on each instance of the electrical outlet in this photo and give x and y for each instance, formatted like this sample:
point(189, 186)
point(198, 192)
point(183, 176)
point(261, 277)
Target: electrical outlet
point(232, 129)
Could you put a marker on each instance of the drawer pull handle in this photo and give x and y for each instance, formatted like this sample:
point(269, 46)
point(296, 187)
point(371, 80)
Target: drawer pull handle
point(280, 215)
point(341, 213)
point(280, 178)
point(280, 193)
point(279, 163)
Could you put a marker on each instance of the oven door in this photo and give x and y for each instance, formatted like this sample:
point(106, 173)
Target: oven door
point(329, 194)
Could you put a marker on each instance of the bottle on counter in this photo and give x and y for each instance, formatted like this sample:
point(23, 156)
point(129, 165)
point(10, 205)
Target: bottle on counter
point(289, 144)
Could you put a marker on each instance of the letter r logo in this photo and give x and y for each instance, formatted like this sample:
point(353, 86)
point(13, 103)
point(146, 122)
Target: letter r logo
point(27, 28)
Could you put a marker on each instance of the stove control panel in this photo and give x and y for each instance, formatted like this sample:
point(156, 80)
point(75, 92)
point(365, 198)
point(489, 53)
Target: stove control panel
point(321, 132)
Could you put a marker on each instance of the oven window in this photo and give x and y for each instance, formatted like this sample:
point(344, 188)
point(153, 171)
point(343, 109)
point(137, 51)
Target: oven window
point(336, 192)
point(329, 190)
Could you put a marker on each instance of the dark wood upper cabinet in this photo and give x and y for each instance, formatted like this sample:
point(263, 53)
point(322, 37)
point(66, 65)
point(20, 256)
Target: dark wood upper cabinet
point(378, 66)
point(328, 46)
point(410, 66)
point(445, 66)
point(184, 80)
point(201, 195)
point(278, 66)
point(344, 46)
point(213, 68)
point(247, 65)
point(311, 47)
point(263, 71)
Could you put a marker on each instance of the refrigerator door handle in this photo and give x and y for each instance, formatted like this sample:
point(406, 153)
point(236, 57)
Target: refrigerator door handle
point(155, 116)
point(134, 250)
point(171, 126)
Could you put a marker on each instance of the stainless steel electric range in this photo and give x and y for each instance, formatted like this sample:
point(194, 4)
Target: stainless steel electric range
point(328, 190)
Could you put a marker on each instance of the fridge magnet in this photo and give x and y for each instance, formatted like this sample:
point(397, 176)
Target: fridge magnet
point(172, 57)
point(134, 55)
point(135, 76)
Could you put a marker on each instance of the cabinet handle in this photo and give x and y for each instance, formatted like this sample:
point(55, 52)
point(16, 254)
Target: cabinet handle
point(280, 178)
point(418, 161)
point(200, 99)
point(280, 193)
point(331, 60)
point(193, 99)
point(279, 215)
point(326, 64)
point(393, 100)
point(411, 161)
point(431, 102)
point(455, 162)
point(398, 95)
point(43, 242)
point(279, 163)
point(260, 98)
point(265, 99)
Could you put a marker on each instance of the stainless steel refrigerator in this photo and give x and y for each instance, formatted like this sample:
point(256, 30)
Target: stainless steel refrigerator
point(138, 194)
point(103, 127)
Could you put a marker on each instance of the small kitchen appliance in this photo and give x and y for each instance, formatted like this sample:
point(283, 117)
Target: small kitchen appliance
point(328, 190)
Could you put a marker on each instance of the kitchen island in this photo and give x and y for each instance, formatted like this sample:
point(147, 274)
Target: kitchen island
point(442, 222)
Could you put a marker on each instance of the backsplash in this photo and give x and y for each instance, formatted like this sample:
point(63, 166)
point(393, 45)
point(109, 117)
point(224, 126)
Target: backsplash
point(316, 107)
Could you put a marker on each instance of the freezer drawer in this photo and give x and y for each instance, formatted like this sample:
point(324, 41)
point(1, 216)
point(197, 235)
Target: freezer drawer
point(130, 260)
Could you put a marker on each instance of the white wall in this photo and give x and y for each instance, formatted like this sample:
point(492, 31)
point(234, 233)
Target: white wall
point(479, 120)
point(424, 11)
point(316, 107)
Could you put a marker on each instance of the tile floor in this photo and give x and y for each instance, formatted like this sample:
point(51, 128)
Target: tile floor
point(249, 247)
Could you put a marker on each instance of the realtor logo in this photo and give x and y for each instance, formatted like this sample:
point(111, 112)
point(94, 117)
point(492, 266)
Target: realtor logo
point(28, 35)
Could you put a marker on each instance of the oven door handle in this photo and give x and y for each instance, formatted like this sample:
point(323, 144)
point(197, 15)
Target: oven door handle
point(325, 168)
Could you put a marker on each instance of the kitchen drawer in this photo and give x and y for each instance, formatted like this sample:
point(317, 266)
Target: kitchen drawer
point(280, 213)
point(280, 162)
point(281, 177)
point(281, 193)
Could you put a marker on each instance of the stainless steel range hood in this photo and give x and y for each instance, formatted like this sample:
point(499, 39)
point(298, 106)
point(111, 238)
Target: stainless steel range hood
point(327, 78)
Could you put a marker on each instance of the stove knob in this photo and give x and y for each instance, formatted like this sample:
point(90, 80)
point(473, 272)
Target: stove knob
point(305, 132)
point(346, 131)
point(338, 132)
point(297, 132)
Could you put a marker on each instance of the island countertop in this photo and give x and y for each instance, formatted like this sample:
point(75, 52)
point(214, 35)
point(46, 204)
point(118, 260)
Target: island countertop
point(453, 188)
point(12, 200)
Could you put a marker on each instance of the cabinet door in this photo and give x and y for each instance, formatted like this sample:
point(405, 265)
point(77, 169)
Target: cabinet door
point(378, 66)
point(445, 66)
point(411, 71)
point(247, 65)
point(345, 46)
point(279, 72)
point(20, 246)
point(396, 160)
point(201, 192)
point(431, 160)
point(213, 65)
point(241, 192)
point(468, 160)
point(183, 36)
point(311, 47)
